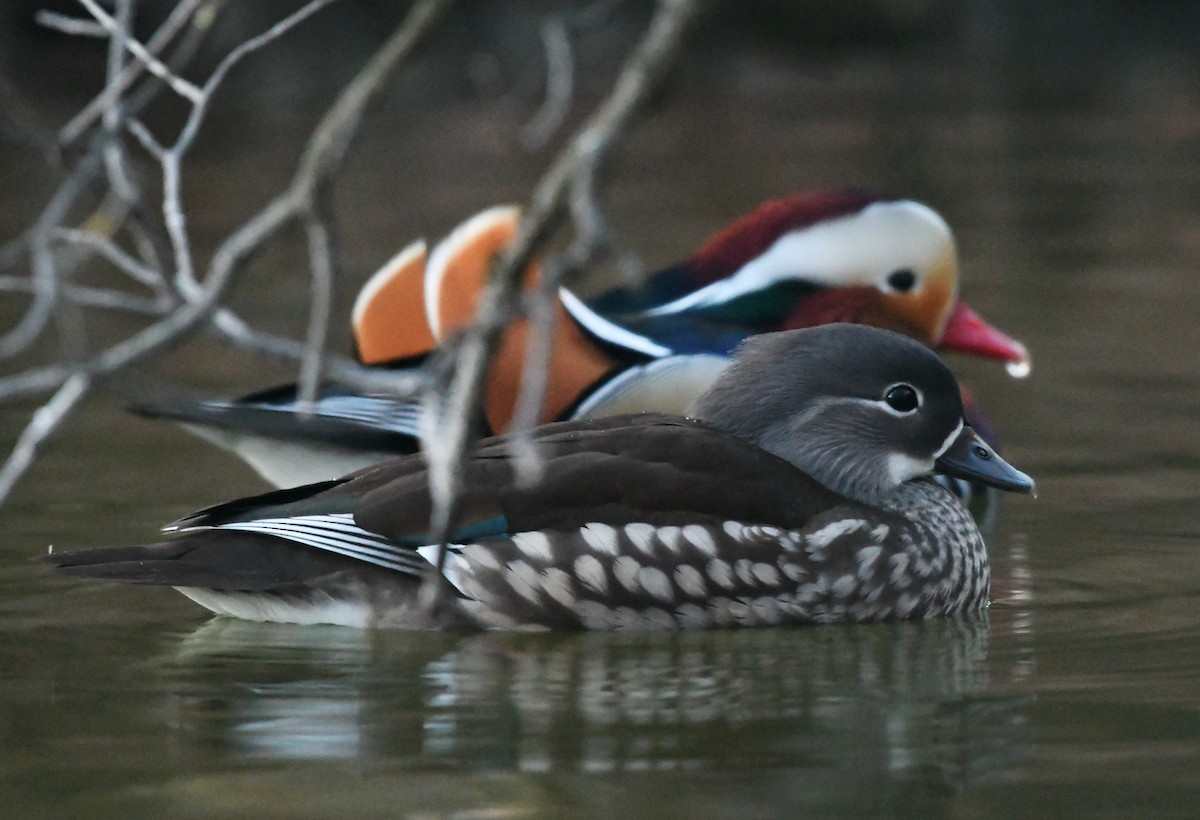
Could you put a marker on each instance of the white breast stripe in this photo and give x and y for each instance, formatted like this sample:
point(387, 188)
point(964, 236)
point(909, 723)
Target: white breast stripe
point(600, 327)
point(336, 533)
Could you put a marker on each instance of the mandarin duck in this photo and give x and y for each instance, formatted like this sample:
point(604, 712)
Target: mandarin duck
point(796, 491)
point(802, 261)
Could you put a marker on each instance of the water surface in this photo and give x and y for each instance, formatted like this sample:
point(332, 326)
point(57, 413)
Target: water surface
point(1070, 171)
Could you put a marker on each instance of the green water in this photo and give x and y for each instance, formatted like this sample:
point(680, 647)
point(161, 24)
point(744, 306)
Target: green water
point(1070, 170)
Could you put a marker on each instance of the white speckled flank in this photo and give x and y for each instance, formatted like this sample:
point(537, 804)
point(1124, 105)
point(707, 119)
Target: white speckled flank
point(701, 539)
point(690, 581)
point(692, 616)
point(766, 575)
point(558, 586)
point(831, 532)
point(656, 583)
point(642, 536)
point(721, 573)
point(481, 556)
point(525, 580)
point(625, 570)
point(669, 537)
point(867, 558)
point(591, 574)
point(601, 538)
point(733, 574)
point(535, 545)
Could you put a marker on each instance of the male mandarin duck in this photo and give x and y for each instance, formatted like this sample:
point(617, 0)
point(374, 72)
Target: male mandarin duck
point(802, 261)
point(797, 490)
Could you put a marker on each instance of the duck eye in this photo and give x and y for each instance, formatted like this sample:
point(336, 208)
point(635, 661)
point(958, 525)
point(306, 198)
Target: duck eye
point(902, 281)
point(902, 398)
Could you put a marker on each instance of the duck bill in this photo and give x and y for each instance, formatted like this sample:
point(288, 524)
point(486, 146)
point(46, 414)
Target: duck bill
point(971, 458)
point(967, 332)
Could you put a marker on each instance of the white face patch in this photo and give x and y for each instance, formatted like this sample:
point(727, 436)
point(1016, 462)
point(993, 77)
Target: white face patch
point(902, 467)
point(857, 249)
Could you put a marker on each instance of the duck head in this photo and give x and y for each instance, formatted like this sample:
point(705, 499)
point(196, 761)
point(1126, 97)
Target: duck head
point(861, 410)
point(839, 256)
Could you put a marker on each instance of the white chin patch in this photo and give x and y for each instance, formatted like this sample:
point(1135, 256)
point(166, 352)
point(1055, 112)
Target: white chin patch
point(902, 467)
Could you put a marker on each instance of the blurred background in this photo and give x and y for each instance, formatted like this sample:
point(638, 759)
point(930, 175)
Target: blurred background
point(1062, 144)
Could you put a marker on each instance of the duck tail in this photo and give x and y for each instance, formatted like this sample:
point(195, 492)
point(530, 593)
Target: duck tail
point(143, 564)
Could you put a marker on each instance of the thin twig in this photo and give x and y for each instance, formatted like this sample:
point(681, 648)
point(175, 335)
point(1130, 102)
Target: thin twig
point(180, 86)
point(185, 13)
point(103, 298)
point(560, 82)
point(74, 26)
point(320, 254)
point(42, 425)
point(446, 450)
point(44, 276)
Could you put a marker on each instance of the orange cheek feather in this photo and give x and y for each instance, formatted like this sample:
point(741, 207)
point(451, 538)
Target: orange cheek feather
point(575, 362)
point(919, 316)
point(924, 313)
point(389, 316)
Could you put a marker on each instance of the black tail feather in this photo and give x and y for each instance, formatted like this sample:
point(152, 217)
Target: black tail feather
point(247, 562)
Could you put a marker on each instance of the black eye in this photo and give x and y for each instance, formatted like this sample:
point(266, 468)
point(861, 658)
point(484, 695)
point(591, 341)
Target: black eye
point(901, 280)
point(902, 398)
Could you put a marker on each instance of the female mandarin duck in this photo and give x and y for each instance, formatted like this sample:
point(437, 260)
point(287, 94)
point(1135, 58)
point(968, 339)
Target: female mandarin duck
point(797, 492)
point(803, 261)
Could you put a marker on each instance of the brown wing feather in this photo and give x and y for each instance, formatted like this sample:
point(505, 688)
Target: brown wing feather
point(618, 470)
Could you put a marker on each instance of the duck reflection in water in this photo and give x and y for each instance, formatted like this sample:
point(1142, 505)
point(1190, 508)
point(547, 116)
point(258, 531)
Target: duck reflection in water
point(894, 703)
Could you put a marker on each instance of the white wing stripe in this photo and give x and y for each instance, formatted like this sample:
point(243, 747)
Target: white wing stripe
point(338, 534)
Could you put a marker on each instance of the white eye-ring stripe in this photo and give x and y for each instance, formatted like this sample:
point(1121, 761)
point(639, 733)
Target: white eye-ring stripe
point(884, 404)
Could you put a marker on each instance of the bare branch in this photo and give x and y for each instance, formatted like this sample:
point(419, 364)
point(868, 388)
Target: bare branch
point(44, 277)
point(69, 25)
point(110, 251)
point(560, 81)
point(155, 66)
point(320, 252)
point(45, 421)
point(198, 14)
point(92, 297)
point(446, 449)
